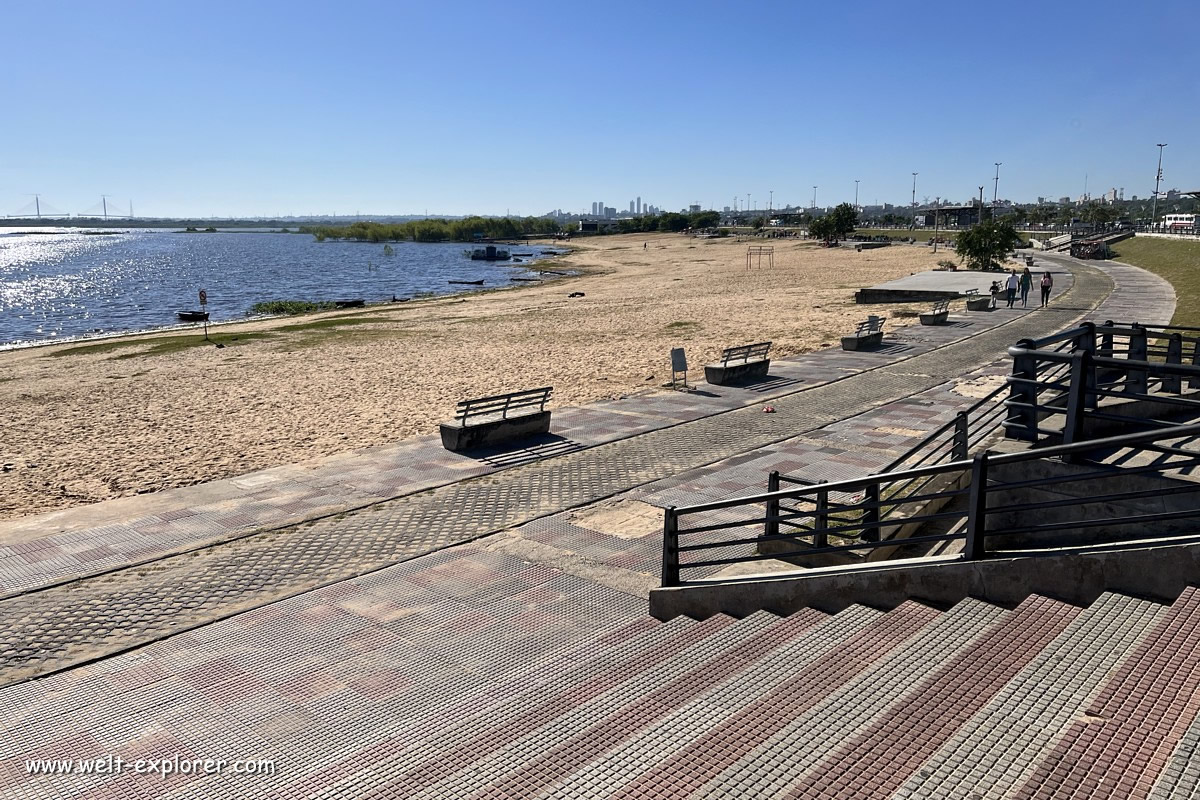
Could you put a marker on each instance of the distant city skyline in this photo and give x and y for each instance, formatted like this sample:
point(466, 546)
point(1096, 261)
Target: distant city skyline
point(188, 115)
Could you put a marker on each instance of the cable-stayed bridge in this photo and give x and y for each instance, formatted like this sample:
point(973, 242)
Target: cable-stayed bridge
point(39, 208)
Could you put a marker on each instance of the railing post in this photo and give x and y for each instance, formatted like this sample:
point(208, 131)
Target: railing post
point(870, 518)
point(822, 518)
point(771, 528)
point(1173, 384)
point(1026, 419)
point(1081, 365)
point(670, 561)
point(975, 546)
point(1137, 381)
point(1106, 340)
point(1194, 383)
point(1087, 344)
point(961, 448)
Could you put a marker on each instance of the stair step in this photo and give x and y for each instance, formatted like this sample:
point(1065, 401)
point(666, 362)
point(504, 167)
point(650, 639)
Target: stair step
point(998, 746)
point(810, 736)
point(1136, 719)
point(699, 739)
point(518, 760)
point(882, 755)
point(450, 718)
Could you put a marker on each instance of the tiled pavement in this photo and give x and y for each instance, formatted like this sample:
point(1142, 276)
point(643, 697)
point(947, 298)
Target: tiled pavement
point(80, 620)
point(469, 673)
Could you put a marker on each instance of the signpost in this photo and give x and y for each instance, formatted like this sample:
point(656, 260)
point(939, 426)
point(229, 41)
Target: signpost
point(204, 308)
point(678, 365)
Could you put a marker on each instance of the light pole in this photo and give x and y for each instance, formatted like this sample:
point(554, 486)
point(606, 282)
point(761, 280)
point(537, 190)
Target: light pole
point(980, 205)
point(814, 205)
point(1157, 180)
point(856, 195)
point(996, 185)
point(913, 223)
point(937, 205)
point(771, 203)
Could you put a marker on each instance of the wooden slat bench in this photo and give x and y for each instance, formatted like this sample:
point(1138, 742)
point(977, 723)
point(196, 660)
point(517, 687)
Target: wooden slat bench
point(497, 419)
point(739, 364)
point(976, 302)
point(868, 334)
point(939, 314)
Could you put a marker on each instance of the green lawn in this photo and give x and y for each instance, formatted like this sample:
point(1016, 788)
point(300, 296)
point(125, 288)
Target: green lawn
point(1177, 262)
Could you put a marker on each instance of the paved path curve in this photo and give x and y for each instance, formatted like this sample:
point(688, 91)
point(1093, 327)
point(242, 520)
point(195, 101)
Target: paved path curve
point(92, 618)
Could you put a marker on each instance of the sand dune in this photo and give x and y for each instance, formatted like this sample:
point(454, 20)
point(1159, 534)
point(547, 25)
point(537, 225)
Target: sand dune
point(105, 422)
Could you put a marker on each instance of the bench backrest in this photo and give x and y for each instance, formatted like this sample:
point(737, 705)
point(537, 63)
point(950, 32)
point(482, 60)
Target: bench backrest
point(872, 324)
point(971, 293)
point(745, 352)
point(940, 306)
point(503, 404)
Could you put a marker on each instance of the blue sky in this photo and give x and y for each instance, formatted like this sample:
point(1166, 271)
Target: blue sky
point(305, 107)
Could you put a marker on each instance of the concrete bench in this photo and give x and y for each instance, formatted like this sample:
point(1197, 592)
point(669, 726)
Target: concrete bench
point(977, 303)
point(868, 334)
point(497, 419)
point(939, 314)
point(739, 364)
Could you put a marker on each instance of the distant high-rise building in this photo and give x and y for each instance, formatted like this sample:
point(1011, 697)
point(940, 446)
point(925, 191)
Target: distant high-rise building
point(639, 205)
point(631, 207)
point(609, 212)
point(594, 211)
point(600, 208)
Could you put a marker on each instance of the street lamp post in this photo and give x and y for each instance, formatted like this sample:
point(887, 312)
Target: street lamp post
point(814, 205)
point(913, 223)
point(856, 195)
point(1157, 181)
point(937, 206)
point(996, 185)
point(980, 205)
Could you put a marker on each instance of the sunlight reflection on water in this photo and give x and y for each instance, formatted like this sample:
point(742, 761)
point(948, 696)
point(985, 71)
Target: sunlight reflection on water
point(67, 284)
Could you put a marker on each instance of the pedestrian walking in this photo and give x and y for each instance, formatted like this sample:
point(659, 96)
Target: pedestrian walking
point(1047, 285)
point(1011, 285)
point(995, 290)
point(1026, 285)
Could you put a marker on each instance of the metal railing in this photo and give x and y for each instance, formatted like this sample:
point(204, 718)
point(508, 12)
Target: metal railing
point(845, 517)
point(1072, 374)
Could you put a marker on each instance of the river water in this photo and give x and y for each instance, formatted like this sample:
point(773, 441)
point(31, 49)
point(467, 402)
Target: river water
point(58, 284)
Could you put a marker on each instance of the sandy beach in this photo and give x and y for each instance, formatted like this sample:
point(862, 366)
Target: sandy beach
point(85, 423)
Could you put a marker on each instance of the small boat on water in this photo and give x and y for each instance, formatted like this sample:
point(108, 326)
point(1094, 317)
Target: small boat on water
point(192, 316)
point(523, 255)
point(468, 283)
point(489, 253)
point(517, 260)
point(530, 280)
point(356, 302)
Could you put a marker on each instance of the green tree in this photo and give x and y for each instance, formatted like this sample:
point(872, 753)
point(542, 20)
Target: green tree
point(982, 246)
point(672, 222)
point(824, 228)
point(845, 220)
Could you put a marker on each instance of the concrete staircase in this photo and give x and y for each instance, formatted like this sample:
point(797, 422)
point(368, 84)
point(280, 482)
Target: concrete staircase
point(1047, 700)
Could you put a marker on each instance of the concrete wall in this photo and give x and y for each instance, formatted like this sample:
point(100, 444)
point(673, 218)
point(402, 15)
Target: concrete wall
point(1158, 570)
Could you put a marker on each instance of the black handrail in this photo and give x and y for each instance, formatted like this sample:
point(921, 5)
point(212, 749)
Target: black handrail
point(975, 529)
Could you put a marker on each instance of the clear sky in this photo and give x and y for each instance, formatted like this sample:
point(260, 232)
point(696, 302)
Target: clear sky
point(256, 108)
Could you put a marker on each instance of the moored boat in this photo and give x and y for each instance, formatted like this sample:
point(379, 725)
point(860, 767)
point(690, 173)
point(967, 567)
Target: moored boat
point(192, 316)
point(489, 253)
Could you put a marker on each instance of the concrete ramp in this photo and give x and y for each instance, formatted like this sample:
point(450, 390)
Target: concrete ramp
point(927, 287)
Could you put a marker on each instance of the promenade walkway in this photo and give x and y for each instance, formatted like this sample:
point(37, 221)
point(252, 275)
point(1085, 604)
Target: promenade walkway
point(289, 641)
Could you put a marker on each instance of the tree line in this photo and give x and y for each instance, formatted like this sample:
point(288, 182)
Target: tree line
point(670, 222)
point(436, 230)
